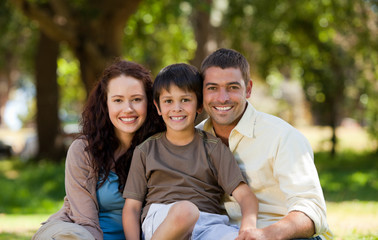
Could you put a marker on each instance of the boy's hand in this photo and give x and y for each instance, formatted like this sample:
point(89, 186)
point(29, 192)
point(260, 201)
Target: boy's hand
point(251, 234)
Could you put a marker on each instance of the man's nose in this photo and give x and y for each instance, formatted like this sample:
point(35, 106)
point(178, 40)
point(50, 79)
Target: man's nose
point(223, 95)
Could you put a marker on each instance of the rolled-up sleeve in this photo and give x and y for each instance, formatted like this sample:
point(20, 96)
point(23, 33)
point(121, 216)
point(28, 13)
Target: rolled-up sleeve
point(298, 179)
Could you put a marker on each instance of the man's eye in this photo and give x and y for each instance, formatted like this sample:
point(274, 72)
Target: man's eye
point(234, 87)
point(211, 88)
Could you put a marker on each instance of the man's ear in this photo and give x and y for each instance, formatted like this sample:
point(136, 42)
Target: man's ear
point(249, 88)
point(157, 107)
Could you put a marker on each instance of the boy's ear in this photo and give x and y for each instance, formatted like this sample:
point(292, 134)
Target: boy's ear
point(157, 107)
point(199, 110)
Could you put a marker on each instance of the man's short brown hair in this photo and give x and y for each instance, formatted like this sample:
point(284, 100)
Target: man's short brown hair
point(227, 58)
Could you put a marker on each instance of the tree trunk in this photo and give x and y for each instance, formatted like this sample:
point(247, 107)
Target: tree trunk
point(48, 124)
point(202, 30)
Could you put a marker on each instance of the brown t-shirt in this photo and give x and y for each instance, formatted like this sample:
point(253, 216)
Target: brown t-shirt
point(201, 172)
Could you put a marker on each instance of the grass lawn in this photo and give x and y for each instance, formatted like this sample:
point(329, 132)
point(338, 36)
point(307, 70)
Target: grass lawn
point(18, 226)
point(32, 192)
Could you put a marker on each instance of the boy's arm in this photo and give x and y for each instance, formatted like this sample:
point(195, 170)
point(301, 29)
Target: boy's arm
point(131, 218)
point(249, 207)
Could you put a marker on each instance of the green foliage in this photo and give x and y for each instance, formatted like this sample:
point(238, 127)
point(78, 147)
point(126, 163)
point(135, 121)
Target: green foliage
point(72, 91)
point(331, 44)
point(31, 187)
point(348, 176)
point(159, 34)
point(18, 38)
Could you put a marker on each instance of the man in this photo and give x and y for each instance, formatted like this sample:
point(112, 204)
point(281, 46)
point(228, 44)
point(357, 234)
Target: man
point(277, 158)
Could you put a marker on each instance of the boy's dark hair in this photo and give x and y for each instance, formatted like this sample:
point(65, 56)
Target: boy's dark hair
point(184, 76)
point(227, 58)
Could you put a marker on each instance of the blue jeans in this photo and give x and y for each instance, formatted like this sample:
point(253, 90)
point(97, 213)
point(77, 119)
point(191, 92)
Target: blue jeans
point(313, 238)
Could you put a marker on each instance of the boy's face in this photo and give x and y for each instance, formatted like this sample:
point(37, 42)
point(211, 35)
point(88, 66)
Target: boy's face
point(178, 109)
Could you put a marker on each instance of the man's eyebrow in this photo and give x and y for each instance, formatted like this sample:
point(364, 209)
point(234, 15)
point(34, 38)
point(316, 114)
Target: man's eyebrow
point(210, 83)
point(230, 83)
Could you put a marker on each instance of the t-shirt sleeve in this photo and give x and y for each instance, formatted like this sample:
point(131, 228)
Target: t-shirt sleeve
point(136, 184)
point(228, 171)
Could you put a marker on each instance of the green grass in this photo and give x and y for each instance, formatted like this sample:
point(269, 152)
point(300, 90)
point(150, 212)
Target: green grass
point(16, 226)
point(348, 176)
point(353, 219)
point(31, 188)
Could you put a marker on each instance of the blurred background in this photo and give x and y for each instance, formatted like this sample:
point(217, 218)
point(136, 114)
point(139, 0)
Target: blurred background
point(313, 63)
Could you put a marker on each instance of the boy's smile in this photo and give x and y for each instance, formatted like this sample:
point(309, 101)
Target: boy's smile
point(178, 109)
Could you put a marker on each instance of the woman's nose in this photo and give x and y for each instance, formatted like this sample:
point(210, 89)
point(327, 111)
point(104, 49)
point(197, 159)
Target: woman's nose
point(128, 107)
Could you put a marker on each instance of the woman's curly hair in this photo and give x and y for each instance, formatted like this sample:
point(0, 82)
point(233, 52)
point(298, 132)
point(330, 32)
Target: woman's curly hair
point(99, 130)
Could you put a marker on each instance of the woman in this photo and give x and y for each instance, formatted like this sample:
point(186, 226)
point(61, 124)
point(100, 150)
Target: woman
point(119, 115)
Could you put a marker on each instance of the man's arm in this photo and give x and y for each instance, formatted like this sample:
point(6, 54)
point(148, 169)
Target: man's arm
point(294, 225)
point(249, 208)
point(131, 219)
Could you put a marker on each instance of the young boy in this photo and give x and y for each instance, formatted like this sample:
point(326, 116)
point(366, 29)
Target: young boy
point(181, 175)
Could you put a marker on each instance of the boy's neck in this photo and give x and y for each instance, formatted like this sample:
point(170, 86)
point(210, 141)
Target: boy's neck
point(180, 138)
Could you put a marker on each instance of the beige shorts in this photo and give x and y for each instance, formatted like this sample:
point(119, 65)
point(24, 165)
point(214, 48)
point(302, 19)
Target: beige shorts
point(60, 230)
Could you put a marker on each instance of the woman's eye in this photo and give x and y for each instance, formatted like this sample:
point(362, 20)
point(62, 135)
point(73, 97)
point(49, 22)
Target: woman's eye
point(117, 100)
point(137, 99)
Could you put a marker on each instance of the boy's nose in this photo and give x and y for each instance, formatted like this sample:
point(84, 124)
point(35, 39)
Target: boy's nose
point(177, 107)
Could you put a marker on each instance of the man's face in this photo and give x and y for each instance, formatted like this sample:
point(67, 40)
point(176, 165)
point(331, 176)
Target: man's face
point(225, 95)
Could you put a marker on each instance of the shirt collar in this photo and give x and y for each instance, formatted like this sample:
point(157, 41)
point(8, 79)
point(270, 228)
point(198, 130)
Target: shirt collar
point(249, 118)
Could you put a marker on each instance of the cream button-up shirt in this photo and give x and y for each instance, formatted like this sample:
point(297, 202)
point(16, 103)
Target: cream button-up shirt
point(279, 164)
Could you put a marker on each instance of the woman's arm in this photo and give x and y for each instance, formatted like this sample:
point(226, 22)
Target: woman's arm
point(80, 185)
point(131, 219)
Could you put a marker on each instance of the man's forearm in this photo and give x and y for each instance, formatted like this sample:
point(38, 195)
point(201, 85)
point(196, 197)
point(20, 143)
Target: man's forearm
point(294, 225)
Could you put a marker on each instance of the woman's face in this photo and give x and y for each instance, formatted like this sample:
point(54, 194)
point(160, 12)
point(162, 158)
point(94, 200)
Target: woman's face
point(127, 105)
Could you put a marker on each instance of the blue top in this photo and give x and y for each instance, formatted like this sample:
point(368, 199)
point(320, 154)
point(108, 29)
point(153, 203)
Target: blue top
point(111, 203)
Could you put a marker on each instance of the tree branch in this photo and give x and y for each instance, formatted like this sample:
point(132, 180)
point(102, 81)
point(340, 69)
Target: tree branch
point(48, 20)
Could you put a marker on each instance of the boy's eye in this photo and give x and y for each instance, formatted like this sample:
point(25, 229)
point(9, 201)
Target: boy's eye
point(185, 100)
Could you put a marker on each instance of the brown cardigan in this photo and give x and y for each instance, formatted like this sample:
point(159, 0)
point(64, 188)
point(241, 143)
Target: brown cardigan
point(80, 203)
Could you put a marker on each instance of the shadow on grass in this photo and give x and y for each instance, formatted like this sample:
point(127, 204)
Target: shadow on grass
point(31, 187)
point(348, 176)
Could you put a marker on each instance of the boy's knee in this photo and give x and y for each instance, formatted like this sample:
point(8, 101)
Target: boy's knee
point(184, 213)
